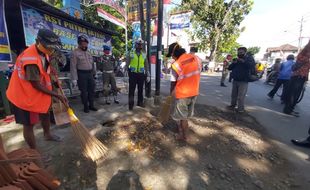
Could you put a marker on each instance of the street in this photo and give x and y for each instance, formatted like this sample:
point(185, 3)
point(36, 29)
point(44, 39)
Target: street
point(281, 127)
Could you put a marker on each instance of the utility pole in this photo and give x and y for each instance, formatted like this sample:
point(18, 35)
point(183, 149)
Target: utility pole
point(159, 45)
point(300, 33)
point(148, 48)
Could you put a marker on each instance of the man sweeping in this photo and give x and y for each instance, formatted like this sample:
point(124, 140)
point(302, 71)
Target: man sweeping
point(30, 88)
point(184, 86)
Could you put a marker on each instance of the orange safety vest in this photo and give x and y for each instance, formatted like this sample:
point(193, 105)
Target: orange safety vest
point(20, 91)
point(188, 68)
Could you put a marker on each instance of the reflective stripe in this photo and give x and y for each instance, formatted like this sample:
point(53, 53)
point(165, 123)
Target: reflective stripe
point(181, 77)
point(28, 59)
point(177, 67)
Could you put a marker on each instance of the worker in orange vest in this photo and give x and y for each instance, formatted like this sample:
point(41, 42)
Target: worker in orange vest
point(185, 80)
point(30, 89)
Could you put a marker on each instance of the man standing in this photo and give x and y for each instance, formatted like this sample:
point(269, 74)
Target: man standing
point(225, 71)
point(185, 81)
point(241, 69)
point(82, 73)
point(138, 71)
point(298, 79)
point(106, 66)
point(283, 78)
point(30, 88)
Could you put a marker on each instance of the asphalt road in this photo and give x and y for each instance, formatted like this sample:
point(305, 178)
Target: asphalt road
point(280, 127)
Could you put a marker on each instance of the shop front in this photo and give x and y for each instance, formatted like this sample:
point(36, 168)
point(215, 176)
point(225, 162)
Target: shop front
point(24, 19)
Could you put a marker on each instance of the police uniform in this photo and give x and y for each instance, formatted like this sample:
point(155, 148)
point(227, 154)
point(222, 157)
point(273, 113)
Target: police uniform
point(138, 66)
point(82, 69)
point(106, 65)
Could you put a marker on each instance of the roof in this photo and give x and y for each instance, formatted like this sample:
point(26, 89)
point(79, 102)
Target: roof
point(285, 47)
point(40, 4)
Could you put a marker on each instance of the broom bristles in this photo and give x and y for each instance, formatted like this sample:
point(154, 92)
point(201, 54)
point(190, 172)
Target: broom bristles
point(92, 148)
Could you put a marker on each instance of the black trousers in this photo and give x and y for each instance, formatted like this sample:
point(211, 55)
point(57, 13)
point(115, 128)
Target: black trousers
point(86, 83)
point(276, 87)
point(134, 80)
point(295, 88)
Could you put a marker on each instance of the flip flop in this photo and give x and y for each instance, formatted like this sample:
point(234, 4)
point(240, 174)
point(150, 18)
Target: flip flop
point(54, 138)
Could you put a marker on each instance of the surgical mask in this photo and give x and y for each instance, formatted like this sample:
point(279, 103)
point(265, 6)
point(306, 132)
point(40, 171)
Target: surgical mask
point(84, 48)
point(47, 51)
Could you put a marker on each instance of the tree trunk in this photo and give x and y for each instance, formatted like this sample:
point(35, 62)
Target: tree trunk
point(214, 45)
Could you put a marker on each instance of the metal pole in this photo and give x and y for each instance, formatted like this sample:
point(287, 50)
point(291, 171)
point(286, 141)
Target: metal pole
point(148, 39)
point(159, 49)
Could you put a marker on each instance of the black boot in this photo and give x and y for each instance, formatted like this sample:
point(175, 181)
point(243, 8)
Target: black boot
point(116, 100)
point(86, 108)
point(303, 143)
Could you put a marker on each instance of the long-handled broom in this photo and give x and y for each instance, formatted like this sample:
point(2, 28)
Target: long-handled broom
point(165, 108)
point(91, 147)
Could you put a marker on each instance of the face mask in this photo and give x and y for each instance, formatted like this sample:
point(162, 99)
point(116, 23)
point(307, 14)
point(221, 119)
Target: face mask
point(241, 55)
point(44, 50)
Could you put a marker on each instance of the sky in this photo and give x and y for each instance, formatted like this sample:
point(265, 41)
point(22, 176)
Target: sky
point(272, 23)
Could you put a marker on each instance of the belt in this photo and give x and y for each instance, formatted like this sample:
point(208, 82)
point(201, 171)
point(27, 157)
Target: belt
point(107, 71)
point(84, 71)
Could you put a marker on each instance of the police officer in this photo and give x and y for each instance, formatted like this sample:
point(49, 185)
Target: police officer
point(82, 73)
point(138, 71)
point(106, 66)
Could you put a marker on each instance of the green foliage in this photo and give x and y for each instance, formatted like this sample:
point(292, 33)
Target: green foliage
point(118, 42)
point(56, 3)
point(253, 50)
point(216, 23)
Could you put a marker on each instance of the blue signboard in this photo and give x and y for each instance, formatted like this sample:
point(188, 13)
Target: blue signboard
point(5, 51)
point(68, 32)
point(180, 21)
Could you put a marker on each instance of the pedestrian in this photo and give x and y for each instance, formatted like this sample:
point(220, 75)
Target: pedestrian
point(185, 79)
point(106, 65)
point(225, 71)
point(299, 77)
point(241, 69)
point(30, 89)
point(273, 74)
point(83, 71)
point(138, 71)
point(283, 77)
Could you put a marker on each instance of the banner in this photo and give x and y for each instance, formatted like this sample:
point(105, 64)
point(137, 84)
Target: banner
point(133, 10)
point(112, 3)
point(110, 18)
point(5, 51)
point(33, 20)
point(180, 21)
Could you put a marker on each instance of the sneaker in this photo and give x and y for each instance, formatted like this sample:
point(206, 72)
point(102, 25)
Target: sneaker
point(223, 85)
